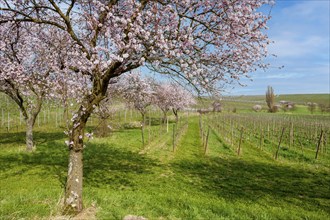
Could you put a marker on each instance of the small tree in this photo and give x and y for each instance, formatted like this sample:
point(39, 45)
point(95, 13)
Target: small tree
point(270, 99)
point(25, 75)
point(172, 96)
point(257, 108)
point(164, 98)
point(138, 92)
point(312, 107)
point(324, 108)
point(181, 100)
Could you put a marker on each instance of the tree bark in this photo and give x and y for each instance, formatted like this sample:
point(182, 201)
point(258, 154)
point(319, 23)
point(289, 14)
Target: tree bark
point(30, 121)
point(142, 126)
point(164, 117)
point(66, 114)
point(73, 191)
point(29, 135)
point(175, 112)
point(74, 185)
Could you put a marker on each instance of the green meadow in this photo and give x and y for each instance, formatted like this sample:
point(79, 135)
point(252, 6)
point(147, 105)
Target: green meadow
point(160, 181)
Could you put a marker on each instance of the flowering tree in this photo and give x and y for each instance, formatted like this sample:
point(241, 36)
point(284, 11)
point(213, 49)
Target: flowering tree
point(138, 92)
point(24, 72)
point(164, 94)
point(202, 42)
point(181, 100)
point(172, 96)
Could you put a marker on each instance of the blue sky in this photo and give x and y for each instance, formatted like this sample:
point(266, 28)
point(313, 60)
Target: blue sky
point(300, 30)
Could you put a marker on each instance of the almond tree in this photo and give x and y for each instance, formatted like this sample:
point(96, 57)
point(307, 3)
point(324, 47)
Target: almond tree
point(182, 99)
point(138, 92)
point(206, 43)
point(25, 75)
point(164, 94)
point(172, 96)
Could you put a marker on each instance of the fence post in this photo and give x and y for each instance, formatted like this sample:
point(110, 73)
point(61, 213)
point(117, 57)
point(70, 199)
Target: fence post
point(200, 126)
point(142, 134)
point(149, 128)
point(56, 123)
point(279, 144)
point(173, 136)
point(268, 130)
point(261, 138)
point(125, 114)
point(8, 121)
point(291, 142)
point(206, 140)
point(2, 118)
point(240, 142)
point(318, 145)
point(166, 124)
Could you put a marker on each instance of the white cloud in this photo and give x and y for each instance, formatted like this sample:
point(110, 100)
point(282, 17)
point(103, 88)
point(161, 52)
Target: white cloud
point(290, 46)
point(301, 32)
point(300, 29)
point(306, 8)
point(283, 76)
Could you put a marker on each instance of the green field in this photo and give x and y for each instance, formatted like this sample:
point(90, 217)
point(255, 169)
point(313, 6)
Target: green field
point(158, 181)
point(297, 98)
point(245, 103)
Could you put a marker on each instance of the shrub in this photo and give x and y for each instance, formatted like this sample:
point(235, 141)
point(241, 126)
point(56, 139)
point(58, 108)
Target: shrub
point(257, 108)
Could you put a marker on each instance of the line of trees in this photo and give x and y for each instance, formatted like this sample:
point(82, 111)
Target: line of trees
point(140, 93)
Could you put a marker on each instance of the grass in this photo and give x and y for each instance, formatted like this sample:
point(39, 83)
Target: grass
point(245, 103)
point(296, 98)
point(121, 177)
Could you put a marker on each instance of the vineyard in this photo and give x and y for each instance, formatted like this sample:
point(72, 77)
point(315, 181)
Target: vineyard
point(218, 165)
point(117, 110)
point(119, 118)
point(293, 137)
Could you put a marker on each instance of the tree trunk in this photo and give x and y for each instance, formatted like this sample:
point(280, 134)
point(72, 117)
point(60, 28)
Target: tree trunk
point(143, 118)
point(164, 116)
point(30, 121)
point(29, 135)
point(66, 114)
point(74, 185)
point(175, 112)
point(142, 126)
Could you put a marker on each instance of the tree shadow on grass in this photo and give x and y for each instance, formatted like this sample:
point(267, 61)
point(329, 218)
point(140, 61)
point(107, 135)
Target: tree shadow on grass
point(235, 179)
point(114, 167)
point(49, 156)
point(104, 165)
point(39, 137)
point(12, 138)
point(48, 160)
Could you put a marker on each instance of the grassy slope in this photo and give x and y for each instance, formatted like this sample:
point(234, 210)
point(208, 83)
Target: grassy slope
point(121, 178)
